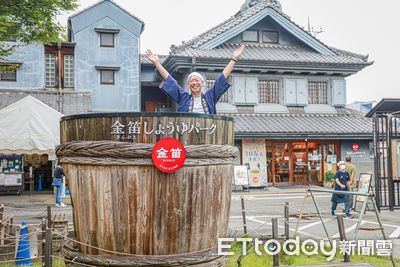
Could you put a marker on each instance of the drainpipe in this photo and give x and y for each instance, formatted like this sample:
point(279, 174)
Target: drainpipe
point(60, 93)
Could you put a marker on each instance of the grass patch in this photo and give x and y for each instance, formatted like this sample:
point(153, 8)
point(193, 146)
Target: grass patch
point(56, 263)
point(252, 259)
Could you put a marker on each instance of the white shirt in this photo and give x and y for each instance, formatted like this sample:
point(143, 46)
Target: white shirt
point(197, 106)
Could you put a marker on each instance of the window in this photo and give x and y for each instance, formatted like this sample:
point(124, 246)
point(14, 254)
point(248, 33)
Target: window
point(224, 97)
point(250, 36)
point(268, 91)
point(270, 37)
point(317, 92)
point(107, 77)
point(245, 90)
point(107, 74)
point(50, 70)
point(68, 70)
point(106, 39)
point(8, 73)
point(106, 36)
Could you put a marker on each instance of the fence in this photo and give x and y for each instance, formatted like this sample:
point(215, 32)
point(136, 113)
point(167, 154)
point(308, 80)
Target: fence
point(52, 239)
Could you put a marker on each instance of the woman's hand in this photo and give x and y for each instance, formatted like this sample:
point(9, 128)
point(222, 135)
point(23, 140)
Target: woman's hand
point(236, 54)
point(152, 57)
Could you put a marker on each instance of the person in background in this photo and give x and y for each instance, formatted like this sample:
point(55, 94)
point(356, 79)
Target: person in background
point(342, 183)
point(58, 184)
point(351, 169)
point(196, 101)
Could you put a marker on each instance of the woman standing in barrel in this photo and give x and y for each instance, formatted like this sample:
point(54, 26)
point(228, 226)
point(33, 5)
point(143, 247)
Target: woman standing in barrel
point(196, 101)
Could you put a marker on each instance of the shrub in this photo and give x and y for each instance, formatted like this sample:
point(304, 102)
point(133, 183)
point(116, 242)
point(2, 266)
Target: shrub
point(329, 176)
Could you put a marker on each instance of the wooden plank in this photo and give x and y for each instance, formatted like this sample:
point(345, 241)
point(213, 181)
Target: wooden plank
point(95, 129)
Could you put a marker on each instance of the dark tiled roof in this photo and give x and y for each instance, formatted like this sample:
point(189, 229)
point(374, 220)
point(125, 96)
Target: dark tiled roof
point(330, 124)
point(386, 105)
point(266, 52)
point(145, 60)
point(272, 53)
point(73, 102)
point(228, 24)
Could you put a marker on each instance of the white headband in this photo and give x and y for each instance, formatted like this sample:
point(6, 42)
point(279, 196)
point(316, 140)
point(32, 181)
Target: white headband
point(195, 74)
point(341, 163)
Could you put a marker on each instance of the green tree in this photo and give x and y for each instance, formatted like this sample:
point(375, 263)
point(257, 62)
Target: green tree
point(30, 21)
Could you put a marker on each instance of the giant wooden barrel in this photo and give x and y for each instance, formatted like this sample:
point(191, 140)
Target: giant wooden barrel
point(123, 203)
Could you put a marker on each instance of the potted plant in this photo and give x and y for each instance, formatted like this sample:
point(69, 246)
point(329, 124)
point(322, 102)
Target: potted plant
point(329, 178)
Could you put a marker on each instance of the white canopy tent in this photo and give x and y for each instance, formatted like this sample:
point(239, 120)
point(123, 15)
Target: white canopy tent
point(29, 126)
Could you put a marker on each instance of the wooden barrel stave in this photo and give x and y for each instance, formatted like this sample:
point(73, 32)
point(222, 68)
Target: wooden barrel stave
point(162, 214)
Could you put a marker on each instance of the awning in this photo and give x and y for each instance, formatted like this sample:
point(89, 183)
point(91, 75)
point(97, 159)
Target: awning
point(29, 126)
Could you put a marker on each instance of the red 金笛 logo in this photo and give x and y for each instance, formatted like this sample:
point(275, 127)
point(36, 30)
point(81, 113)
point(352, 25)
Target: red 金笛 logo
point(168, 155)
point(355, 147)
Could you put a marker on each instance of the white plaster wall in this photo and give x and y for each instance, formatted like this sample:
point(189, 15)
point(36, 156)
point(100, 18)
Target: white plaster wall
point(31, 72)
point(124, 94)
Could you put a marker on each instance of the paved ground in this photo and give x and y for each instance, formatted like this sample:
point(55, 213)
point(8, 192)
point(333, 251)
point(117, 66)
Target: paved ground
point(355, 264)
point(260, 205)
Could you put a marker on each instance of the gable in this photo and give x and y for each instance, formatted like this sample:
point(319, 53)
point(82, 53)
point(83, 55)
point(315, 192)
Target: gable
point(251, 20)
point(104, 9)
point(268, 24)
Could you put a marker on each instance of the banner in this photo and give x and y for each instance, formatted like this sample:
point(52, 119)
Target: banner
point(363, 185)
point(241, 175)
point(255, 157)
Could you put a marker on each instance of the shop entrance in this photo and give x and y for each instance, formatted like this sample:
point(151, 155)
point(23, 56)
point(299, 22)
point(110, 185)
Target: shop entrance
point(300, 166)
point(301, 162)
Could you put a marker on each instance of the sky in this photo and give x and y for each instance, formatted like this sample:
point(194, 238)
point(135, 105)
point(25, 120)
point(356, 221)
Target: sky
point(360, 26)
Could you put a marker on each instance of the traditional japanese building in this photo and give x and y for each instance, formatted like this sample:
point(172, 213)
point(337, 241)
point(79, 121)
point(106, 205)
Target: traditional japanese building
point(288, 94)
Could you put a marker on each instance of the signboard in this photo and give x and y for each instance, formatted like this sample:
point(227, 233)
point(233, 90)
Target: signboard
point(254, 155)
point(129, 131)
point(333, 159)
point(363, 186)
point(301, 156)
point(168, 155)
point(241, 175)
point(11, 163)
point(12, 179)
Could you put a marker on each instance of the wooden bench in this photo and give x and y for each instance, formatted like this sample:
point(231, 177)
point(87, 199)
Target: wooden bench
point(59, 222)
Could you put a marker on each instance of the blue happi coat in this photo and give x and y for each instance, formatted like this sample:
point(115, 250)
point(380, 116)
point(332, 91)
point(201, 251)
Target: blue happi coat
point(172, 89)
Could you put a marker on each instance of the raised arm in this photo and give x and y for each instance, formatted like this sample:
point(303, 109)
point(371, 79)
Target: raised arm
point(154, 59)
point(235, 56)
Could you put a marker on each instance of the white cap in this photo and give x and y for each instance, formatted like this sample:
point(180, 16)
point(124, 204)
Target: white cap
point(195, 74)
point(341, 163)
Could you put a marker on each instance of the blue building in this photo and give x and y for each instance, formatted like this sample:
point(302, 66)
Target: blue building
point(361, 106)
point(107, 55)
point(29, 61)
